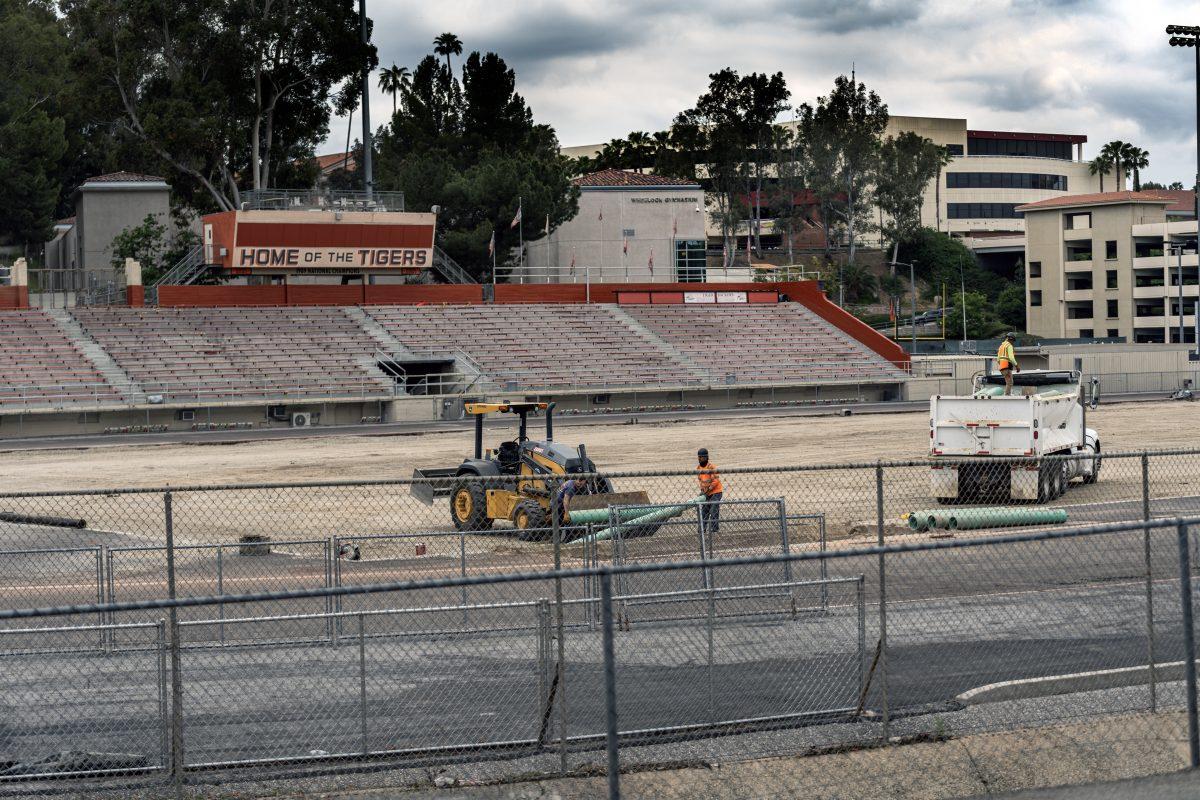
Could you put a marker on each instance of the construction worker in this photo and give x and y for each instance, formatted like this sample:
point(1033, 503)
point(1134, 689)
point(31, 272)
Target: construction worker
point(1007, 360)
point(565, 492)
point(710, 486)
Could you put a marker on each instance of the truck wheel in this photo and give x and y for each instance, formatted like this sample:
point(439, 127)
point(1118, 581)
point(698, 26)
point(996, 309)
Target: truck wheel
point(468, 507)
point(1058, 476)
point(1045, 489)
point(1095, 474)
point(530, 520)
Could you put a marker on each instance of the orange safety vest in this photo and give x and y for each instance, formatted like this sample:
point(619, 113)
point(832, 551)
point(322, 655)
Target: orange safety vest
point(710, 481)
point(1005, 356)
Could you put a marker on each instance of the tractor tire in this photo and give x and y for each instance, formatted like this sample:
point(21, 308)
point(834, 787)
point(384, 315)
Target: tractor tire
point(468, 507)
point(530, 520)
point(1045, 486)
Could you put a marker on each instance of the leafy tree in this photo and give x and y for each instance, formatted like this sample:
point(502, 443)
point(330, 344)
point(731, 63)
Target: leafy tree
point(1150, 185)
point(1176, 185)
point(393, 81)
point(473, 149)
point(144, 242)
point(859, 284)
point(217, 91)
point(1010, 306)
point(730, 130)
point(907, 163)
point(33, 74)
point(981, 319)
point(841, 135)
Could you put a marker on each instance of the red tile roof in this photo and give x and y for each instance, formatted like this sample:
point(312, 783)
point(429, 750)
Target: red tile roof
point(619, 177)
point(334, 161)
point(1185, 200)
point(1099, 198)
point(124, 177)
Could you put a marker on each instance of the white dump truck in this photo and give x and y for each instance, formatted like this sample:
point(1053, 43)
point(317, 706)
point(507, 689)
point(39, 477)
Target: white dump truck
point(1046, 415)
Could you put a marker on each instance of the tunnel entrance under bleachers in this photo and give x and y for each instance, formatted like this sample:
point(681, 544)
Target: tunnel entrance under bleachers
point(422, 376)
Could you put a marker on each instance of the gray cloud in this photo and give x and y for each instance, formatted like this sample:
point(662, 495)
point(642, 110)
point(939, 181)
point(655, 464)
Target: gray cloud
point(1165, 112)
point(1034, 88)
point(848, 16)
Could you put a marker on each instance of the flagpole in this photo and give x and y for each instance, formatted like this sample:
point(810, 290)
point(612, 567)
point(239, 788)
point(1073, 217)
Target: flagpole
point(521, 233)
point(548, 249)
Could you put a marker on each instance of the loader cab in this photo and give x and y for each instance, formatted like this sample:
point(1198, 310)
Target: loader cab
point(507, 457)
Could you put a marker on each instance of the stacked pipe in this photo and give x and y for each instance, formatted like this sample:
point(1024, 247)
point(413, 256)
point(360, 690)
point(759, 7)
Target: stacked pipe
point(965, 519)
point(633, 517)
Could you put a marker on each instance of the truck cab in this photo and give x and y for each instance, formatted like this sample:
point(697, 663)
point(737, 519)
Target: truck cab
point(1040, 430)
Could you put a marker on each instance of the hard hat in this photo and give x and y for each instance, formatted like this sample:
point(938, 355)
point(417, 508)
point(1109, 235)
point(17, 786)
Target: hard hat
point(703, 451)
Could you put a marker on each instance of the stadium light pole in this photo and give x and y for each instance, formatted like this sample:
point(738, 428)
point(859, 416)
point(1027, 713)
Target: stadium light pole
point(368, 172)
point(1189, 36)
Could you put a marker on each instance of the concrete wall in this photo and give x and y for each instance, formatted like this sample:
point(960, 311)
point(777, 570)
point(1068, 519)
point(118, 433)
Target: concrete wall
point(651, 214)
point(103, 210)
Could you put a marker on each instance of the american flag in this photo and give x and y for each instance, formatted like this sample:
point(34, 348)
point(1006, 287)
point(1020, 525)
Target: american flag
point(547, 224)
point(517, 219)
point(625, 246)
point(572, 260)
point(650, 263)
point(492, 244)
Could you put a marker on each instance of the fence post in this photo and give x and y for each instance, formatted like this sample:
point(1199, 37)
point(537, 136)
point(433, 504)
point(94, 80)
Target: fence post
point(177, 759)
point(164, 713)
point(362, 684)
point(883, 681)
point(785, 541)
point(610, 687)
point(1149, 582)
point(102, 616)
point(556, 529)
point(1189, 643)
point(710, 624)
point(462, 572)
point(860, 596)
point(221, 591)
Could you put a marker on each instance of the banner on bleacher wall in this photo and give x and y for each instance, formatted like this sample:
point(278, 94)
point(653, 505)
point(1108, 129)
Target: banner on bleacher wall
point(330, 259)
point(714, 297)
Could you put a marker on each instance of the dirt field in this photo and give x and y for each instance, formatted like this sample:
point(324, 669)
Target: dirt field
point(845, 496)
point(739, 442)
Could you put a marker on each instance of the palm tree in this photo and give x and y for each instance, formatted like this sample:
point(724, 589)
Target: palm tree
point(1138, 159)
point(393, 81)
point(639, 148)
point(447, 45)
point(1101, 165)
point(1115, 153)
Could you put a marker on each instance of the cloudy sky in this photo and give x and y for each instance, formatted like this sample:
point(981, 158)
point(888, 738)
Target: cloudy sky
point(597, 70)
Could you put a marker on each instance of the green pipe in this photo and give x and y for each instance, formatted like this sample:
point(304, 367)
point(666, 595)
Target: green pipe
point(658, 515)
point(970, 518)
point(590, 516)
point(923, 520)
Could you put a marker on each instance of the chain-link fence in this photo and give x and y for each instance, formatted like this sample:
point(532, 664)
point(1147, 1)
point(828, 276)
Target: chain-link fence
point(1020, 658)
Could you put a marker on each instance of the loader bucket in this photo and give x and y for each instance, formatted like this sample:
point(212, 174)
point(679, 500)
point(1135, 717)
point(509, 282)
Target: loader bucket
point(428, 492)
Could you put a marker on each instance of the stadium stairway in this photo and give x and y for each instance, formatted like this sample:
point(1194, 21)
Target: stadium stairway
point(653, 340)
point(387, 343)
point(90, 349)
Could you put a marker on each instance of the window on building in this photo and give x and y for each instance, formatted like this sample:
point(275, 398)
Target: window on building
point(1113, 333)
point(1085, 333)
point(954, 149)
point(1028, 148)
point(982, 211)
point(1112, 309)
point(690, 260)
point(1005, 180)
point(1110, 250)
point(1035, 297)
point(629, 233)
point(1110, 279)
point(1035, 269)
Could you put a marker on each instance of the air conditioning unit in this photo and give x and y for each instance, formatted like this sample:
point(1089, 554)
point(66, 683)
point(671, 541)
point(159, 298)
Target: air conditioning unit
point(301, 419)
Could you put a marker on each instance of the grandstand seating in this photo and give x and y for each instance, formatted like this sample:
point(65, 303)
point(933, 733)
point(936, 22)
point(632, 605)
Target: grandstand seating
point(188, 354)
point(539, 345)
point(40, 365)
point(198, 355)
point(782, 342)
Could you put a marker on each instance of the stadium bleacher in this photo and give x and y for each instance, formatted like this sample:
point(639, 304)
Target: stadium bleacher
point(40, 365)
point(188, 354)
point(782, 342)
point(229, 354)
point(543, 345)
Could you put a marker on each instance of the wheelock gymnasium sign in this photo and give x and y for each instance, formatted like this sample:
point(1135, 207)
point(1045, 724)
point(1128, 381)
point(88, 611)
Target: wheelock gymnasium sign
point(318, 242)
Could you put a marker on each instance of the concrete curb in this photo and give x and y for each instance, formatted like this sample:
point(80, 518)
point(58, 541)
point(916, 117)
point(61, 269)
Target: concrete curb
point(1050, 685)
